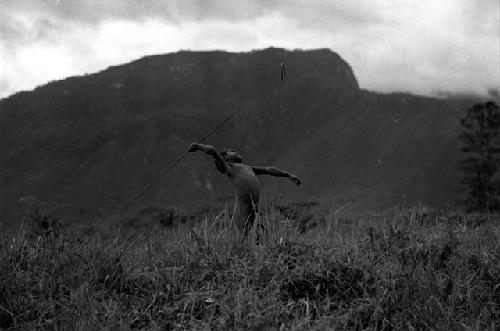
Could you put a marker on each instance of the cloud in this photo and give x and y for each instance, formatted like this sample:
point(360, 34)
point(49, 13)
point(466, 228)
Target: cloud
point(95, 11)
point(423, 46)
point(180, 11)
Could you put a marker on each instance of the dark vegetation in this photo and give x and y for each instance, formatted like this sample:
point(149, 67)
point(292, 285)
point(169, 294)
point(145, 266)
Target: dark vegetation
point(95, 141)
point(481, 143)
point(412, 270)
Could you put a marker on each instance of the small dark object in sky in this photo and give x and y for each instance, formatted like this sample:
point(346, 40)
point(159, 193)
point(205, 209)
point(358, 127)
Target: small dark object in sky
point(283, 72)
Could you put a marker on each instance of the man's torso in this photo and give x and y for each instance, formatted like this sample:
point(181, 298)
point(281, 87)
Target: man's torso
point(245, 182)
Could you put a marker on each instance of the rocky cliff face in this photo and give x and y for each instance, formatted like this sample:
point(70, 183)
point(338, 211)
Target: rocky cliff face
point(96, 140)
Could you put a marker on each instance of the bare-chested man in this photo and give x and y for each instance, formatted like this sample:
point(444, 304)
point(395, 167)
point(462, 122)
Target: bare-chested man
point(244, 180)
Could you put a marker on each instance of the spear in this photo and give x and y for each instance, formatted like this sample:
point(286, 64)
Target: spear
point(177, 161)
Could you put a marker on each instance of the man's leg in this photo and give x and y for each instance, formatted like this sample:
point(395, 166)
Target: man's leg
point(246, 217)
point(249, 220)
point(242, 219)
point(254, 217)
point(261, 229)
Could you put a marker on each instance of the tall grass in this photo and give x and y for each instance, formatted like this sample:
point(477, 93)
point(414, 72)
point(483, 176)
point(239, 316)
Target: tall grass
point(411, 271)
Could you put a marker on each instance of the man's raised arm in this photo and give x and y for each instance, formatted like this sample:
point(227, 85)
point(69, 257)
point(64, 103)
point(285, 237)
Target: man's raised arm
point(210, 150)
point(272, 171)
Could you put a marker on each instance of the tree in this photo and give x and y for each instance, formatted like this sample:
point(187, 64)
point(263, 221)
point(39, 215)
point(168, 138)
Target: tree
point(481, 143)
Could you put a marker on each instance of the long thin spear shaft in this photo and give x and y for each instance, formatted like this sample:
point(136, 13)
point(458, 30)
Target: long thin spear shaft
point(176, 162)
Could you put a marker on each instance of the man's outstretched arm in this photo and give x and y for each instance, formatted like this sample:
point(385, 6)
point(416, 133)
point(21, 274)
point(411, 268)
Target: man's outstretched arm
point(272, 171)
point(210, 150)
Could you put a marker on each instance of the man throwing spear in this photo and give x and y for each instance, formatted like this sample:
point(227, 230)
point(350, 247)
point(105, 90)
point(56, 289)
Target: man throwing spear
point(244, 180)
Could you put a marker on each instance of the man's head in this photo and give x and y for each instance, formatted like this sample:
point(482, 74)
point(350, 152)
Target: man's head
point(231, 156)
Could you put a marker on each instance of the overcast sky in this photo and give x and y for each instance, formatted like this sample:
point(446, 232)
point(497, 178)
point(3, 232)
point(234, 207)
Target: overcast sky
point(420, 46)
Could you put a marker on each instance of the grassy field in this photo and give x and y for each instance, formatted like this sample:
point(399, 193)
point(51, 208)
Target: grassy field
point(409, 271)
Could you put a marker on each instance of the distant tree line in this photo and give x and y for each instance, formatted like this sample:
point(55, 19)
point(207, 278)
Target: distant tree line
point(480, 137)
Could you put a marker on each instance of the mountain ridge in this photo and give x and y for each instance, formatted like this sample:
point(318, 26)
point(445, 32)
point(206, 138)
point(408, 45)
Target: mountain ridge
point(95, 140)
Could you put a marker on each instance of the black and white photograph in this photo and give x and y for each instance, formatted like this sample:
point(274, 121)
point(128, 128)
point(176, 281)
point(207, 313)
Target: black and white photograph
point(250, 165)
